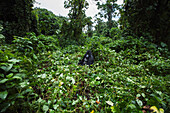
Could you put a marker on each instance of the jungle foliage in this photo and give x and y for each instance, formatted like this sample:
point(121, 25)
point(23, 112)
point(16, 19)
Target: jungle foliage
point(46, 22)
point(16, 17)
point(39, 69)
point(143, 18)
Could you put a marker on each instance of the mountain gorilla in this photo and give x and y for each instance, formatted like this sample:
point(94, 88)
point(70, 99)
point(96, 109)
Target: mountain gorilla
point(88, 59)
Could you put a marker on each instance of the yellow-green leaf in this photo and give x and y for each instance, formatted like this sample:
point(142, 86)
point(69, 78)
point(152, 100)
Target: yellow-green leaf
point(155, 109)
point(161, 110)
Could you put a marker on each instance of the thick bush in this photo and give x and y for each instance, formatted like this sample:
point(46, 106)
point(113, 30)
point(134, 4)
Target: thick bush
point(31, 42)
point(47, 22)
point(15, 84)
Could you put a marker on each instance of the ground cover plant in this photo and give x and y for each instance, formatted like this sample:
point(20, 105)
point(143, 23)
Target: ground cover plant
point(129, 75)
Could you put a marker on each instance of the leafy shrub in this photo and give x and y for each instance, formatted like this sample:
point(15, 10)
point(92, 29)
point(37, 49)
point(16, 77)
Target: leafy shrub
point(2, 38)
point(14, 83)
point(37, 44)
point(128, 75)
point(158, 66)
point(47, 22)
point(115, 32)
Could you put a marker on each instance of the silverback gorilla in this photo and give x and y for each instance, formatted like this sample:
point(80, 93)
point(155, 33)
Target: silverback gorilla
point(87, 59)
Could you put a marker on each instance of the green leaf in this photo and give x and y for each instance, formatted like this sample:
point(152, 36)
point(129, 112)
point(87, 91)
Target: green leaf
point(10, 75)
point(1, 75)
point(17, 77)
point(42, 75)
point(139, 102)
point(55, 106)
point(3, 81)
point(3, 67)
point(142, 86)
point(71, 78)
point(163, 44)
point(138, 95)
point(14, 61)
point(110, 103)
point(14, 70)
point(1, 36)
point(75, 101)
point(5, 106)
point(9, 67)
point(45, 108)
point(20, 96)
point(114, 110)
point(40, 100)
point(23, 84)
point(34, 56)
point(3, 95)
point(143, 94)
point(132, 106)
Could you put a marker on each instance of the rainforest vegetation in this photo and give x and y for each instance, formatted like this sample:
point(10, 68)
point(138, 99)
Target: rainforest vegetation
point(40, 52)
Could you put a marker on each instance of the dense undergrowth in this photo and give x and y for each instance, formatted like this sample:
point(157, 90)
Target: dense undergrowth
point(128, 75)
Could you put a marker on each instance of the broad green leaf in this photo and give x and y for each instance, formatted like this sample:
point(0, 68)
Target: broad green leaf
point(3, 95)
point(14, 60)
point(17, 77)
point(132, 106)
point(163, 44)
point(14, 70)
point(55, 106)
point(9, 67)
point(52, 111)
point(1, 36)
point(3, 67)
point(139, 102)
point(6, 105)
point(42, 75)
point(75, 101)
point(21, 75)
point(10, 75)
point(143, 94)
point(142, 86)
point(1, 75)
point(23, 84)
point(34, 56)
point(138, 95)
point(71, 78)
point(97, 78)
point(45, 108)
point(39, 100)
point(110, 103)
point(3, 81)
point(129, 80)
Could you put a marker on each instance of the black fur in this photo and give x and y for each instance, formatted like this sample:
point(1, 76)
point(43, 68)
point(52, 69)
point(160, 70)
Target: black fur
point(88, 59)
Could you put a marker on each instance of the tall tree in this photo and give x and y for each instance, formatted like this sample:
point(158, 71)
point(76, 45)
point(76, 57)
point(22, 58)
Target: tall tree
point(16, 17)
point(107, 10)
point(100, 26)
point(147, 17)
point(76, 15)
point(89, 23)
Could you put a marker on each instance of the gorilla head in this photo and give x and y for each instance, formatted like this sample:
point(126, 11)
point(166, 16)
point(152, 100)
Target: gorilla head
point(87, 59)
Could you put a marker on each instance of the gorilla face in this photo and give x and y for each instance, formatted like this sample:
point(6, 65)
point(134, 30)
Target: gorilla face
point(88, 59)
